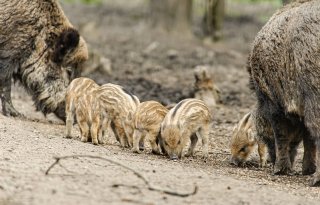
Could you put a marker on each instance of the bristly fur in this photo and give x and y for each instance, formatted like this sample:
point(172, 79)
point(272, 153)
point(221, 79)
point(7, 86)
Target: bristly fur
point(68, 40)
point(147, 122)
point(120, 107)
point(78, 88)
point(285, 73)
point(37, 44)
point(189, 119)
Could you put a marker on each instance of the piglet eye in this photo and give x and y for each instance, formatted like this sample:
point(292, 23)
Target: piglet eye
point(179, 142)
point(243, 149)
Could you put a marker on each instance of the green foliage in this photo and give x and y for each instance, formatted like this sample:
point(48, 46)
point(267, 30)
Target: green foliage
point(257, 1)
point(83, 1)
point(273, 2)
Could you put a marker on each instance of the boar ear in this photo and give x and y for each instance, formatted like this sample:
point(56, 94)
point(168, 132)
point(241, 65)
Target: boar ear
point(204, 74)
point(66, 41)
point(243, 123)
point(251, 136)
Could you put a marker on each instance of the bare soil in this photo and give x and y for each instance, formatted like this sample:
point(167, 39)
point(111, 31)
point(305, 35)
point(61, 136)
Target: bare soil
point(121, 33)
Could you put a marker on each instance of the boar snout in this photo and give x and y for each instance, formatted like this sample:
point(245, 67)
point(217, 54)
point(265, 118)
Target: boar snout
point(174, 157)
point(235, 161)
point(60, 112)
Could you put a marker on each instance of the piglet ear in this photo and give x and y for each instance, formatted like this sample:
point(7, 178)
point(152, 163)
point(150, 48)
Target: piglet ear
point(251, 135)
point(66, 41)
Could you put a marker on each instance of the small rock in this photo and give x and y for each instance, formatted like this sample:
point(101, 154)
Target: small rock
point(172, 54)
point(151, 47)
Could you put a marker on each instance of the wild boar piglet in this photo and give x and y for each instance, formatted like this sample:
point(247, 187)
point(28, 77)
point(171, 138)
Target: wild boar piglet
point(89, 117)
point(77, 88)
point(205, 88)
point(189, 119)
point(243, 141)
point(119, 106)
point(147, 123)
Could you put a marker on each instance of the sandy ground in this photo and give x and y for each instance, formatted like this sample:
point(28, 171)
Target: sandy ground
point(121, 34)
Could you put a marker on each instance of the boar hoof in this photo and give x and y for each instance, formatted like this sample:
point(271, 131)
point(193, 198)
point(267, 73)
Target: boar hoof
point(141, 147)
point(156, 152)
point(309, 170)
point(9, 110)
point(315, 180)
point(95, 142)
point(282, 170)
point(188, 155)
point(136, 151)
point(84, 139)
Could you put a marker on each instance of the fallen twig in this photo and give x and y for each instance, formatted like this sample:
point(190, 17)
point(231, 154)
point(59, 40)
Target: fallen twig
point(139, 175)
point(221, 153)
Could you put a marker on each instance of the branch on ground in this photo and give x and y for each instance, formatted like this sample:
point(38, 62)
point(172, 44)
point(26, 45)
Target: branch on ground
point(138, 174)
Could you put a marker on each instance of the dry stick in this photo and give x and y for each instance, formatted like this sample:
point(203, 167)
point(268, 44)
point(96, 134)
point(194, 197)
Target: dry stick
point(221, 153)
point(149, 185)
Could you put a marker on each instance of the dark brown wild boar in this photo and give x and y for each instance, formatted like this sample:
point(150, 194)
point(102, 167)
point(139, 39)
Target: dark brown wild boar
point(38, 46)
point(284, 68)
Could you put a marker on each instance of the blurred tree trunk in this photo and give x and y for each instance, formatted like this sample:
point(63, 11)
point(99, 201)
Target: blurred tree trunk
point(213, 19)
point(171, 15)
point(284, 2)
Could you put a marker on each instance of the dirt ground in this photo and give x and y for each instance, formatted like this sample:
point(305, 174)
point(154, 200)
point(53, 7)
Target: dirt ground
point(143, 62)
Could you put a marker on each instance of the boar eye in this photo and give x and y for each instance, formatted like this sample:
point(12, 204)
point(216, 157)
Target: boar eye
point(165, 143)
point(179, 142)
point(243, 149)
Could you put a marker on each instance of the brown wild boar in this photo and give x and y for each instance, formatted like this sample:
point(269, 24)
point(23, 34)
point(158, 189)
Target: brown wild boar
point(77, 88)
point(189, 119)
point(119, 107)
point(243, 140)
point(284, 71)
point(147, 122)
point(40, 48)
point(204, 88)
point(88, 114)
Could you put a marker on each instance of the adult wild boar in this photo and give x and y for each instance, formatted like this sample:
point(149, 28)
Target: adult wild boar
point(284, 68)
point(38, 45)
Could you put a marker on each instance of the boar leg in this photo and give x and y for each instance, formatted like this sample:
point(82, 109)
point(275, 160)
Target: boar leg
point(5, 95)
point(262, 154)
point(293, 148)
point(312, 122)
point(271, 149)
point(316, 177)
point(69, 115)
point(101, 138)
point(136, 140)
point(153, 142)
point(283, 163)
point(141, 143)
point(106, 128)
point(126, 139)
point(122, 136)
point(204, 133)
point(193, 143)
point(94, 131)
point(84, 130)
point(114, 130)
point(309, 156)
point(161, 144)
